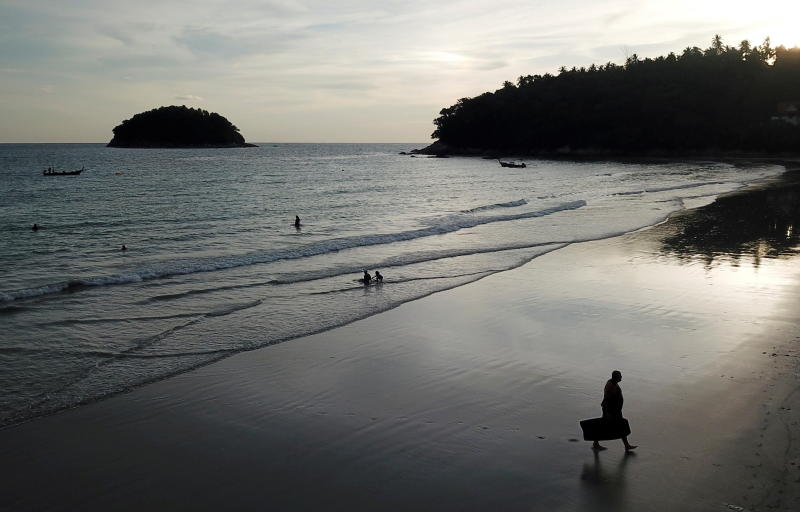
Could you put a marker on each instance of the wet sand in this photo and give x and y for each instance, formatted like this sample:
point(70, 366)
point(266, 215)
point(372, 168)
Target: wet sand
point(470, 399)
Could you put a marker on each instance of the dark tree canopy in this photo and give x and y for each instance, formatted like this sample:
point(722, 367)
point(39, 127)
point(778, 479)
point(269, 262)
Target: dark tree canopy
point(177, 127)
point(722, 98)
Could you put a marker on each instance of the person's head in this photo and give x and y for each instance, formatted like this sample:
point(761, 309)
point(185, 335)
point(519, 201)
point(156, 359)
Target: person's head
point(616, 375)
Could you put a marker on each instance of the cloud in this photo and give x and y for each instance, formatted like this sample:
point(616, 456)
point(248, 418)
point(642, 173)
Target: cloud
point(308, 58)
point(490, 64)
point(188, 97)
point(204, 42)
point(346, 85)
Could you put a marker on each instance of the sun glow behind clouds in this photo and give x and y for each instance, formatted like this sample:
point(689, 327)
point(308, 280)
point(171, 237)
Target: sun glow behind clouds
point(788, 32)
point(781, 24)
point(447, 57)
point(778, 20)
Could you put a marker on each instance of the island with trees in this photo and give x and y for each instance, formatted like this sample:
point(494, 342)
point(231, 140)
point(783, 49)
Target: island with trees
point(177, 127)
point(725, 99)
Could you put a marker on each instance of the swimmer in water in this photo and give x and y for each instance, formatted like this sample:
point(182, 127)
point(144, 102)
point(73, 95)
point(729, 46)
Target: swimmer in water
point(124, 248)
point(297, 221)
point(35, 227)
point(367, 278)
point(378, 277)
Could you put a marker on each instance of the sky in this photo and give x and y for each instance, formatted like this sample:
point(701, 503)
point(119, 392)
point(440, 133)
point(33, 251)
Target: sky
point(327, 70)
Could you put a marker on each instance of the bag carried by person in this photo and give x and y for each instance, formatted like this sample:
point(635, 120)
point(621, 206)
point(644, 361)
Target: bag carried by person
point(605, 429)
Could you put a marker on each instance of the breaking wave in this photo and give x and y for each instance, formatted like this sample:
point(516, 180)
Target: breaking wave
point(189, 266)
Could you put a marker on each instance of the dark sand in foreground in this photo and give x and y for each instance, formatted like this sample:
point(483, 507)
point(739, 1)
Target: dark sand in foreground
point(470, 399)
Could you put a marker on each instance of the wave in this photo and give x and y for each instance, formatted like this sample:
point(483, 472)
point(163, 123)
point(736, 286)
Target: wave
point(184, 267)
point(12, 309)
point(305, 276)
point(401, 261)
point(200, 291)
point(113, 320)
point(509, 204)
point(676, 187)
point(361, 286)
point(110, 224)
point(106, 354)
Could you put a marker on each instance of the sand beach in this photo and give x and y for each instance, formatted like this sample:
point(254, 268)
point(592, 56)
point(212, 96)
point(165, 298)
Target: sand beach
point(469, 399)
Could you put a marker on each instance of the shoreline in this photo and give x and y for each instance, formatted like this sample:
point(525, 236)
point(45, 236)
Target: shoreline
point(556, 246)
point(469, 398)
point(38, 414)
point(197, 146)
point(440, 149)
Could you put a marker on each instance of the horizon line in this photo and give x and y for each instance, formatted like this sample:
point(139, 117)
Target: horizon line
point(258, 142)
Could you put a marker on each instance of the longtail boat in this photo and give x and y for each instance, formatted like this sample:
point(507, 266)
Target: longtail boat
point(52, 172)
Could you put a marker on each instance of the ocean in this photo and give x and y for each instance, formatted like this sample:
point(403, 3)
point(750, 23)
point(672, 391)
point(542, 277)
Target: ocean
point(214, 264)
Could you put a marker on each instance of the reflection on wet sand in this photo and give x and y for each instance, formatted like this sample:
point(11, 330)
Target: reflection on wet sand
point(604, 482)
point(739, 228)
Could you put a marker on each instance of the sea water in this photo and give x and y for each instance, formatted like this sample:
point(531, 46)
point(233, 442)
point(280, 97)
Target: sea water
point(214, 264)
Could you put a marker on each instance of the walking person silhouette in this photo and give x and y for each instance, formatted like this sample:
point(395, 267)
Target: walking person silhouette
point(612, 411)
point(612, 425)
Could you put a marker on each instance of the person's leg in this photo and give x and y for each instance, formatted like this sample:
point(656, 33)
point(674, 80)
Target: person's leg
point(596, 446)
point(628, 446)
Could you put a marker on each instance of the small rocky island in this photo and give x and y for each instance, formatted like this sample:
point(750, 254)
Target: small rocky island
point(177, 127)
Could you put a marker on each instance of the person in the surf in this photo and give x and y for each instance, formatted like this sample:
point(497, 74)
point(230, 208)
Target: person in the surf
point(612, 408)
point(366, 279)
point(123, 248)
point(35, 227)
point(378, 277)
point(297, 221)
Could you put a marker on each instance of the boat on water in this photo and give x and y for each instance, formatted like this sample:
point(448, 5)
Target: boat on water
point(516, 165)
point(52, 172)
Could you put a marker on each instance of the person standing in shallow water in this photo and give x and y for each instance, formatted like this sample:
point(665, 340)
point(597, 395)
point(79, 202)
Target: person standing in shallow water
point(612, 407)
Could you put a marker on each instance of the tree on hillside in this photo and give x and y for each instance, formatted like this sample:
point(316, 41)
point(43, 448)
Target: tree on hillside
point(721, 98)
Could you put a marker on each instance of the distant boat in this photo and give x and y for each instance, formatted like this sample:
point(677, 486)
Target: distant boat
point(52, 172)
point(518, 165)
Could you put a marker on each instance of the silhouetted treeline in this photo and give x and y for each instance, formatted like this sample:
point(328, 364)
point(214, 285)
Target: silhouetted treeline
point(720, 98)
point(176, 127)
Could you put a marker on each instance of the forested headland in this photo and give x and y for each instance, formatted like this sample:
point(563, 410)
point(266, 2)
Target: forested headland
point(741, 98)
point(177, 127)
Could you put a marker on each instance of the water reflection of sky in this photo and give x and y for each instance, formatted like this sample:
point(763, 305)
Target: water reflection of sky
point(671, 304)
point(739, 229)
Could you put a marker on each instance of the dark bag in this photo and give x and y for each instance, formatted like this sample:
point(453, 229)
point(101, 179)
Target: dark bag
point(605, 429)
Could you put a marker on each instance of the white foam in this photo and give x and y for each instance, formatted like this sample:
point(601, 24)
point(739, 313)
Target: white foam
point(509, 204)
point(183, 267)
